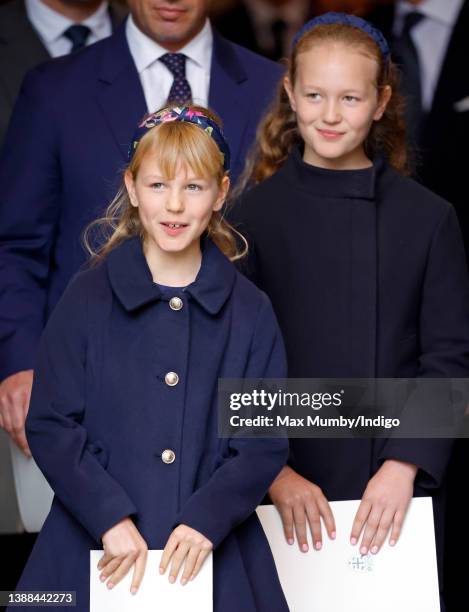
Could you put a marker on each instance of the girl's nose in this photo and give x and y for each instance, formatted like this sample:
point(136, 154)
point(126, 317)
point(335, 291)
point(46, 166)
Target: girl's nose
point(175, 201)
point(331, 112)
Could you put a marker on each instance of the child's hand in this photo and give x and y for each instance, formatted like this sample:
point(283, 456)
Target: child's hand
point(123, 547)
point(186, 544)
point(298, 500)
point(384, 503)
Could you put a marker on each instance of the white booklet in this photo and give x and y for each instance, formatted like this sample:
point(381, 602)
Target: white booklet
point(339, 579)
point(155, 592)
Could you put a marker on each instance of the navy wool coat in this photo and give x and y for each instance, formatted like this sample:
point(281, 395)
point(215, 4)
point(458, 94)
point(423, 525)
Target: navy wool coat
point(367, 276)
point(102, 414)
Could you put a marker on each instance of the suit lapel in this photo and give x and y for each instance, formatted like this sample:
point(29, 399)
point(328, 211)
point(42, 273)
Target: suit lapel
point(20, 47)
point(452, 86)
point(227, 74)
point(120, 93)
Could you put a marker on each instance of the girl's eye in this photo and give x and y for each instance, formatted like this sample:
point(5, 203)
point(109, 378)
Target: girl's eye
point(314, 96)
point(351, 99)
point(194, 187)
point(157, 186)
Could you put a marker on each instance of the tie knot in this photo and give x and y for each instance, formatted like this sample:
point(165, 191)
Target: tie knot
point(77, 35)
point(175, 62)
point(410, 21)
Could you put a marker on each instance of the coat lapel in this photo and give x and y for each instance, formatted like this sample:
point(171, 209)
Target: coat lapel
point(452, 86)
point(227, 74)
point(120, 93)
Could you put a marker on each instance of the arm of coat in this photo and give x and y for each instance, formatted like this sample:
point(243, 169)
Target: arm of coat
point(29, 191)
point(444, 337)
point(240, 483)
point(54, 427)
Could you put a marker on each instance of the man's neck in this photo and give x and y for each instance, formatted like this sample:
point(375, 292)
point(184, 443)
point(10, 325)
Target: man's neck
point(76, 11)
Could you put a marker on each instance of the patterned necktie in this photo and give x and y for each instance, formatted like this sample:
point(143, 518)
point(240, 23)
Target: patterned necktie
point(180, 92)
point(406, 56)
point(77, 35)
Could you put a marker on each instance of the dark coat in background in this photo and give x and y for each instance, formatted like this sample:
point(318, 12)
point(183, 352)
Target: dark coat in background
point(101, 414)
point(61, 165)
point(367, 276)
point(20, 50)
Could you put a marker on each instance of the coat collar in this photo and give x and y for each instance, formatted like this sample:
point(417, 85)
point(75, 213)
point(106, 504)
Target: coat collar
point(132, 283)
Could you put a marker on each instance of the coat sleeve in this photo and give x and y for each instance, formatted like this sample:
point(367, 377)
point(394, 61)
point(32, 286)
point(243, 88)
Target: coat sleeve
point(30, 185)
point(54, 427)
point(444, 337)
point(240, 483)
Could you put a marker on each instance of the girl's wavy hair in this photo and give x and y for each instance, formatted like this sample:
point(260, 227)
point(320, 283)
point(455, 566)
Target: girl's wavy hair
point(278, 132)
point(172, 144)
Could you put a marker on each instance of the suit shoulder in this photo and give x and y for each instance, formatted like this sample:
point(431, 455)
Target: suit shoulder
point(253, 63)
point(253, 299)
point(10, 12)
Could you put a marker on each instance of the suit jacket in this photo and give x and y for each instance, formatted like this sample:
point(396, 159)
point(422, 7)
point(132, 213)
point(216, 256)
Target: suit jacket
point(442, 149)
point(69, 136)
point(20, 50)
point(99, 428)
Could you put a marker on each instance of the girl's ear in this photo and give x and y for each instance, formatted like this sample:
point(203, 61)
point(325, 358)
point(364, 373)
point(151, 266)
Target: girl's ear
point(287, 84)
point(386, 95)
point(222, 193)
point(130, 186)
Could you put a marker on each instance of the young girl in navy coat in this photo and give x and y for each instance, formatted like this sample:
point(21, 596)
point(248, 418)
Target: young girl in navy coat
point(365, 269)
point(123, 417)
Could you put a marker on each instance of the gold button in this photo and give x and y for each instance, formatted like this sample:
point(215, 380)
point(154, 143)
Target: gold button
point(175, 303)
point(168, 456)
point(171, 379)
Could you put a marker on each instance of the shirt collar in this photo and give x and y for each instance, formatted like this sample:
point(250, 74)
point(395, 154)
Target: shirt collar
point(51, 25)
point(132, 282)
point(446, 12)
point(145, 51)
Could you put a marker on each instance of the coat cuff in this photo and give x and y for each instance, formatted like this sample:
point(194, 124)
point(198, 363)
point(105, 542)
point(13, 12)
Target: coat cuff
point(431, 456)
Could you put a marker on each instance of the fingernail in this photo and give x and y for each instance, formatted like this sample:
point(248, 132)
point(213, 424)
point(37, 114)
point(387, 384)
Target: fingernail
point(363, 550)
point(161, 570)
point(304, 547)
point(110, 585)
point(333, 534)
point(374, 550)
point(193, 576)
point(392, 542)
point(183, 581)
point(102, 578)
point(353, 541)
point(318, 545)
point(172, 579)
point(290, 541)
point(133, 590)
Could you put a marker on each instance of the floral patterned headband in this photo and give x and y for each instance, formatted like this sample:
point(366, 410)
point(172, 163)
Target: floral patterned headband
point(349, 20)
point(186, 114)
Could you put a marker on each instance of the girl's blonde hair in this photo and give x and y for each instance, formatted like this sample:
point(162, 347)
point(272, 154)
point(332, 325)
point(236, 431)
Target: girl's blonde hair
point(278, 132)
point(172, 143)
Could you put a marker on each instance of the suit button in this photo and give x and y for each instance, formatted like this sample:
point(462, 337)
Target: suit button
point(171, 379)
point(176, 303)
point(168, 456)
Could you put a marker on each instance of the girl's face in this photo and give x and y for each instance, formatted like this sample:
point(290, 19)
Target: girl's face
point(174, 212)
point(336, 101)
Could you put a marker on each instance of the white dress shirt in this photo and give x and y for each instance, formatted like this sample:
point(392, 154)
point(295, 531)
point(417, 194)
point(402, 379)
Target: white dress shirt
point(157, 79)
point(431, 38)
point(51, 25)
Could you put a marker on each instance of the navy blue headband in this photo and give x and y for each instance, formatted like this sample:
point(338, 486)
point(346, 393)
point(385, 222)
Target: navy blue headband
point(186, 114)
point(349, 20)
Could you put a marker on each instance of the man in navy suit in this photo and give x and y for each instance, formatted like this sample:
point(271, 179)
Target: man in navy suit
point(67, 143)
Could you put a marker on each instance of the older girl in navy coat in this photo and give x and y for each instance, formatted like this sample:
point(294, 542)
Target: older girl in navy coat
point(123, 418)
point(365, 269)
